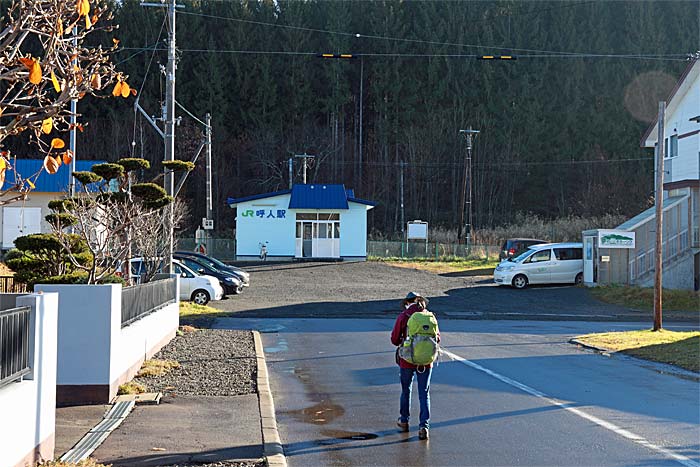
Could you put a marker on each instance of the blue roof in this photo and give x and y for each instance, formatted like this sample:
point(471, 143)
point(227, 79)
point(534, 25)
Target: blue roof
point(318, 197)
point(315, 196)
point(49, 183)
point(232, 201)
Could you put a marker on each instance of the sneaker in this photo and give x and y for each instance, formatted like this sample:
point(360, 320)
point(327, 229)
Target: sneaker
point(403, 426)
point(423, 433)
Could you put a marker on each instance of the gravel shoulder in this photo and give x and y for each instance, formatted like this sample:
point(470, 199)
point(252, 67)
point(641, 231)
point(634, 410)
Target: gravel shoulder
point(212, 363)
point(209, 414)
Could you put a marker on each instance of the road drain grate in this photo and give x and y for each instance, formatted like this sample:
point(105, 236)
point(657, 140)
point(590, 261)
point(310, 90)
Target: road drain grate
point(99, 433)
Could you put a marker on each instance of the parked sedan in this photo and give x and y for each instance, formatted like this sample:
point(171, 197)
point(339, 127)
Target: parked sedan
point(194, 287)
point(217, 264)
point(229, 281)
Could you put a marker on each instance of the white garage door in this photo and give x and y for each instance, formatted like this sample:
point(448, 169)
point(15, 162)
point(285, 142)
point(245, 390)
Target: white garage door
point(17, 222)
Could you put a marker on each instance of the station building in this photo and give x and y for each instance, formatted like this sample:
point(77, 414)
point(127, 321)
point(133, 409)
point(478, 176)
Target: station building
point(308, 221)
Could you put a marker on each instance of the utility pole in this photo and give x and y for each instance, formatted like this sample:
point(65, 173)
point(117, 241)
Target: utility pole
point(304, 157)
point(659, 200)
point(362, 79)
point(469, 133)
point(291, 173)
point(169, 119)
point(210, 216)
point(402, 164)
point(73, 129)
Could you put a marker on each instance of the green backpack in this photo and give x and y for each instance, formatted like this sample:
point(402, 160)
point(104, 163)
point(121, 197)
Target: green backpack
point(420, 346)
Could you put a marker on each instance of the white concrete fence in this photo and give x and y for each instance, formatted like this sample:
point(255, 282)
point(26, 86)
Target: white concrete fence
point(28, 406)
point(95, 353)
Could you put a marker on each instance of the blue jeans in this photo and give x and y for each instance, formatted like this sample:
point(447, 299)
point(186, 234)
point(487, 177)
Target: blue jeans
point(423, 380)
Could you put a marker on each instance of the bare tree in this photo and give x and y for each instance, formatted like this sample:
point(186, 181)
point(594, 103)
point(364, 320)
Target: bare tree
point(45, 62)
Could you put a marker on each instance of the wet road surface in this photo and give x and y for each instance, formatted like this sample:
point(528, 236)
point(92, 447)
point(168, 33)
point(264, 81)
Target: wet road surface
point(505, 393)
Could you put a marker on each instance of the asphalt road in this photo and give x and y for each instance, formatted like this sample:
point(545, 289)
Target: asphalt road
point(349, 289)
point(505, 393)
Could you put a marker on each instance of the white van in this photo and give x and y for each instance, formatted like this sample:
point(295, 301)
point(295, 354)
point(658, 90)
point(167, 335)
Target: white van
point(551, 263)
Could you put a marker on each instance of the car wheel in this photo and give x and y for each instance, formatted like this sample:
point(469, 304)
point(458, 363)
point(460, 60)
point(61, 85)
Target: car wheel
point(520, 281)
point(200, 297)
point(239, 289)
point(579, 279)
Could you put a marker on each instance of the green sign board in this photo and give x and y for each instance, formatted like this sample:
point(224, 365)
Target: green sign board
point(615, 239)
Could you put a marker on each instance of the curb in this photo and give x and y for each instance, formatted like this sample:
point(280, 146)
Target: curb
point(663, 368)
point(272, 443)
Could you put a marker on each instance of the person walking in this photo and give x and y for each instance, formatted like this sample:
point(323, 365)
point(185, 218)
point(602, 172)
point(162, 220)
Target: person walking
point(413, 303)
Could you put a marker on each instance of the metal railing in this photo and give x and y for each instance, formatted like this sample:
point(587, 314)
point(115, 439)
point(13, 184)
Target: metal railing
point(8, 284)
point(143, 299)
point(14, 344)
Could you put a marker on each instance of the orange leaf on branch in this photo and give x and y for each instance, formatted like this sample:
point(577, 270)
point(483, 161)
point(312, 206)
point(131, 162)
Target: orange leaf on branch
point(51, 164)
point(35, 73)
point(117, 91)
point(47, 125)
point(67, 157)
point(57, 143)
point(56, 86)
point(96, 81)
point(125, 90)
point(83, 7)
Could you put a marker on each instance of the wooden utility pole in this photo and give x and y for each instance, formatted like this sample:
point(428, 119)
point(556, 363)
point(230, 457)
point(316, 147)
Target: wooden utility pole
point(659, 199)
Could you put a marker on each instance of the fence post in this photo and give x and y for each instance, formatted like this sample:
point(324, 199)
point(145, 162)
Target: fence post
point(437, 246)
point(401, 249)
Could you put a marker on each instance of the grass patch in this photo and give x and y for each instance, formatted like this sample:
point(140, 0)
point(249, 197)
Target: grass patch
point(153, 368)
point(676, 348)
point(642, 298)
point(192, 310)
point(89, 462)
point(132, 387)
point(199, 316)
point(479, 266)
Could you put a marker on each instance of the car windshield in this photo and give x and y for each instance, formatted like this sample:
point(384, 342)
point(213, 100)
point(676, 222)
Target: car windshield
point(216, 263)
point(520, 258)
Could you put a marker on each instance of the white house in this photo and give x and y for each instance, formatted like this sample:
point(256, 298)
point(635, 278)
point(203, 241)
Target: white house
point(681, 204)
point(682, 173)
point(308, 221)
point(28, 216)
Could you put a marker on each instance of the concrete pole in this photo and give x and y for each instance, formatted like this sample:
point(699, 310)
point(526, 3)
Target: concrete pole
point(291, 173)
point(403, 220)
point(169, 181)
point(208, 162)
point(362, 79)
point(659, 199)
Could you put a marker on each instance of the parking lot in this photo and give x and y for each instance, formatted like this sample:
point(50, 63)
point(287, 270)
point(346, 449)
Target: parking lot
point(347, 289)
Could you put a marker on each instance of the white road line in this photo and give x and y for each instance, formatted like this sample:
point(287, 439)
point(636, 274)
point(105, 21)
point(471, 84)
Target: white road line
point(686, 461)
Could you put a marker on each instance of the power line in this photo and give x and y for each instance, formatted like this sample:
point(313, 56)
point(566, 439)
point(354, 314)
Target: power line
point(670, 57)
point(497, 165)
point(386, 38)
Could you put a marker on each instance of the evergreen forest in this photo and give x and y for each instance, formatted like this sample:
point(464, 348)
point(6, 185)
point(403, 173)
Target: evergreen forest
point(560, 124)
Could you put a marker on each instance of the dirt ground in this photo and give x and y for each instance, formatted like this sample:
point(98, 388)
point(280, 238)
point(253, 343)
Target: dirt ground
point(348, 289)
